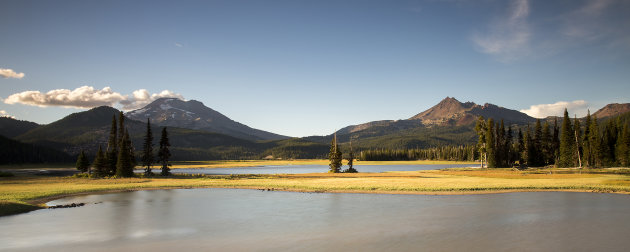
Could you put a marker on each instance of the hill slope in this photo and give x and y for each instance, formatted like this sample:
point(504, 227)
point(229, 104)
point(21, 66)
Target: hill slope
point(11, 128)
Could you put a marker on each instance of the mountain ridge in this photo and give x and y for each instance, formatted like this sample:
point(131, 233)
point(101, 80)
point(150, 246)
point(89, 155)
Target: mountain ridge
point(195, 115)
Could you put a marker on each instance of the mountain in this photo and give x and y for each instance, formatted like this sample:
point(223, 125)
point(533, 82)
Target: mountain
point(11, 128)
point(612, 110)
point(450, 111)
point(88, 129)
point(195, 115)
point(447, 113)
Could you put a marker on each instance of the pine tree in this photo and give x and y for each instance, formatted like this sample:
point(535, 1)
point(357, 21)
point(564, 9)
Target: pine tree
point(112, 148)
point(82, 162)
point(555, 142)
point(490, 144)
point(578, 140)
point(520, 149)
point(350, 161)
point(623, 147)
point(100, 164)
point(334, 156)
point(530, 148)
point(124, 165)
point(608, 143)
point(546, 152)
point(587, 155)
point(147, 154)
point(164, 153)
point(481, 129)
point(501, 151)
point(509, 146)
point(567, 156)
point(537, 159)
point(595, 143)
point(121, 126)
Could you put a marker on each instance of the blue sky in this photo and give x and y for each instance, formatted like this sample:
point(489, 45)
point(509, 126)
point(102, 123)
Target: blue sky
point(303, 68)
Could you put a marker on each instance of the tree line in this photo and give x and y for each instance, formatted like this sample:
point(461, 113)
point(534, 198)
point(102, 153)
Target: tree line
point(567, 145)
point(448, 153)
point(119, 158)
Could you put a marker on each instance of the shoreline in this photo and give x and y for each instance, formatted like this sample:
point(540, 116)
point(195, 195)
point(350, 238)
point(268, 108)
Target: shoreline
point(46, 199)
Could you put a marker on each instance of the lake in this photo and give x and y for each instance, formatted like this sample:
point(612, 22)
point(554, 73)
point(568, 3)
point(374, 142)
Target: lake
point(296, 169)
point(246, 220)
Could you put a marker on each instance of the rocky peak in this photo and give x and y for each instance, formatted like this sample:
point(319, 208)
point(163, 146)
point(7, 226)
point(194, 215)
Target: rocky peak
point(612, 110)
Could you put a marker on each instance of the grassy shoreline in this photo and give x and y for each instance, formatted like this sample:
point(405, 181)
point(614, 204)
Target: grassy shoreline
point(25, 193)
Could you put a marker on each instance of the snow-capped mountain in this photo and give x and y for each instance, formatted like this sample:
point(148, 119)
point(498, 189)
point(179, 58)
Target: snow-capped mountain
point(173, 112)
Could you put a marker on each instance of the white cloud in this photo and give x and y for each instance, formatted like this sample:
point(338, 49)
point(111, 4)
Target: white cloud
point(3, 113)
point(178, 44)
point(507, 37)
point(9, 73)
point(87, 97)
point(578, 107)
point(142, 97)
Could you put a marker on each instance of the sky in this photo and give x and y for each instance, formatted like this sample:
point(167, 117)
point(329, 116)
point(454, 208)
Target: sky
point(301, 68)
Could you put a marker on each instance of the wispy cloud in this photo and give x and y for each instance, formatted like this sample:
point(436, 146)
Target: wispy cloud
point(508, 36)
point(578, 107)
point(584, 22)
point(9, 73)
point(87, 97)
point(3, 113)
point(179, 44)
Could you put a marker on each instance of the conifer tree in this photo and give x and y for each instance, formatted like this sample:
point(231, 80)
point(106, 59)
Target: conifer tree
point(520, 149)
point(481, 129)
point(530, 148)
point(147, 153)
point(595, 143)
point(555, 141)
point(546, 152)
point(537, 159)
point(509, 146)
point(490, 144)
point(121, 127)
point(587, 156)
point(164, 153)
point(567, 156)
point(501, 151)
point(124, 166)
point(350, 161)
point(623, 147)
point(132, 150)
point(334, 156)
point(82, 162)
point(112, 148)
point(609, 141)
point(100, 164)
point(578, 140)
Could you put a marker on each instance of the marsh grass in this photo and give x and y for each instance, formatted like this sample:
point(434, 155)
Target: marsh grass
point(24, 193)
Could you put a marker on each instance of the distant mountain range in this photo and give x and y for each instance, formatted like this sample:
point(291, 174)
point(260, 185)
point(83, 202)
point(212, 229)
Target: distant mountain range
point(201, 133)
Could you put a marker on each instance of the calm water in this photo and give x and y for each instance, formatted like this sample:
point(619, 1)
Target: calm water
point(294, 169)
point(246, 220)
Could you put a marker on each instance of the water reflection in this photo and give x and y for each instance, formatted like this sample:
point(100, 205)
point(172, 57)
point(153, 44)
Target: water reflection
point(235, 219)
point(296, 169)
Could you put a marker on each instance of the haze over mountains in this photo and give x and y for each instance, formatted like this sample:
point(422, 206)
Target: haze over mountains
point(201, 133)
